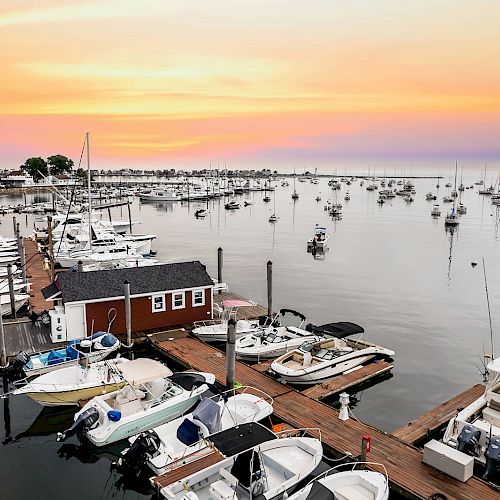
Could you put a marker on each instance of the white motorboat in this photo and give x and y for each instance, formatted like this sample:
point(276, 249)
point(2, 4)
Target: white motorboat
point(90, 256)
point(320, 238)
point(152, 396)
point(15, 271)
point(201, 213)
point(430, 196)
point(347, 196)
point(244, 468)
point(183, 440)
point(8, 258)
point(273, 341)
point(461, 209)
point(18, 285)
point(273, 218)
point(75, 383)
point(94, 348)
point(216, 331)
point(232, 205)
point(447, 199)
point(19, 301)
point(315, 362)
point(355, 484)
point(475, 430)
point(160, 195)
point(436, 211)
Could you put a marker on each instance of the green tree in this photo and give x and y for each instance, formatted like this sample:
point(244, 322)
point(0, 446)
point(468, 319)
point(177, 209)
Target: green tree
point(36, 167)
point(59, 164)
point(81, 175)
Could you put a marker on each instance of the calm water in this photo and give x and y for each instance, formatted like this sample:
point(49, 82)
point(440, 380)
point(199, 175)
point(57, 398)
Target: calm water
point(392, 268)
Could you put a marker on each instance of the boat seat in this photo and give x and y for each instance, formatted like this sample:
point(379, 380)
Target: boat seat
point(353, 491)
point(492, 416)
point(130, 408)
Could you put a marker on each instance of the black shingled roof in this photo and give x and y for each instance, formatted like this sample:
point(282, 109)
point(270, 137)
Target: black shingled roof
point(91, 285)
point(50, 290)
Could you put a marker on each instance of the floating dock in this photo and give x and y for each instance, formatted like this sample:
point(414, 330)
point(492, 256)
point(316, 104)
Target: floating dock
point(37, 275)
point(408, 475)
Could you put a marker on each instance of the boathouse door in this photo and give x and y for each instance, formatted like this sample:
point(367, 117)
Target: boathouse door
point(75, 321)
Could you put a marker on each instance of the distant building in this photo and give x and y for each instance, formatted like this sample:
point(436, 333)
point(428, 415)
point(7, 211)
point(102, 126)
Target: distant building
point(161, 296)
point(58, 180)
point(17, 178)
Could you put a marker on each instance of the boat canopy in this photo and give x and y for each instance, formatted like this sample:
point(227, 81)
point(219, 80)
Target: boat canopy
point(291, 311)
point(142, 370)
point(240, 438)
point(339, 330)
point(237, 303)
point(320, 492)
point(320, 229)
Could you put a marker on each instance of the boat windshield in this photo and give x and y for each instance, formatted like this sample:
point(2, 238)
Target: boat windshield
point(306, 347)
point(272, 337)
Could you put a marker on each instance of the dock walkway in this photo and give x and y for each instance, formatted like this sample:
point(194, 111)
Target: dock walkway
point(408, 475)
point(37, 276)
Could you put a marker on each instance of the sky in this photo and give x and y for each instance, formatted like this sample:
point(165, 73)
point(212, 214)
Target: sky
point(251, 83)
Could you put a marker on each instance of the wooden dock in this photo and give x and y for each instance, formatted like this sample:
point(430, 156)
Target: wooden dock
point(408, 475)
point(24, 335)
point(425, 427)
point(243, 312)
point(37, 276)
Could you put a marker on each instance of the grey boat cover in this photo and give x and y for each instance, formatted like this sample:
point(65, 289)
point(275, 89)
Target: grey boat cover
point(208, 412)
point(340, 330)
point(320, 492)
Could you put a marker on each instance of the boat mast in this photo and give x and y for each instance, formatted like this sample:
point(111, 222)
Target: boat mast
point(88, 188)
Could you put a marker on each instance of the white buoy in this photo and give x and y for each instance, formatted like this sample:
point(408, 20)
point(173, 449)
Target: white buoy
point(344, 406)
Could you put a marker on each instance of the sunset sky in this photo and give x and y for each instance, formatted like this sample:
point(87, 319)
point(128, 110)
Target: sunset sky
point(250, 83)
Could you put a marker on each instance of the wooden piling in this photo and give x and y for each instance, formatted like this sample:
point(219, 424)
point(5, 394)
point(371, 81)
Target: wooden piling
point(230, 353)
point(22, 257)
point(11, 290)
point(129, 218)
point(51, 248)
point(80, 266)
point(128, 313)
point(220, 263)
point(14, 222)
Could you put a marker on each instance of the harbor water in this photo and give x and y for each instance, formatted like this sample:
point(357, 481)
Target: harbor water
point(391, 268)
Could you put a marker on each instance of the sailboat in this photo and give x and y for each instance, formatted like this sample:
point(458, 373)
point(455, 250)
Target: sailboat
point(295, 195)
point(274, 217)
point(452, 218)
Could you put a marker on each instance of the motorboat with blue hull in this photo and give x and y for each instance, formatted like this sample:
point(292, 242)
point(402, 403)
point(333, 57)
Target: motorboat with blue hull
point(315, 362)
point(247, 465)
point(152, 396)
point(94, 348)
point(184, 440)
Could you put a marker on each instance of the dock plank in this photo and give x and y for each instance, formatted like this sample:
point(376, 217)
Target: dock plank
point(344, 382)
point(243, 312)
point(431, 421)
point(37, 276)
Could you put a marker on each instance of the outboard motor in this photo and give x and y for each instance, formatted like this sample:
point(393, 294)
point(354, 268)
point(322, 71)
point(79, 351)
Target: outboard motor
point(492, 455)
point(82, 424)
point(15, 370)
point(468, 440)
point(144, 447)
point(310, 327)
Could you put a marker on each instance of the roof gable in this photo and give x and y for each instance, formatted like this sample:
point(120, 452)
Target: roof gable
point(76, 286)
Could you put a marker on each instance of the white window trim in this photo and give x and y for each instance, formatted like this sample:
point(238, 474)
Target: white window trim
point(164, 308)
point(183, 306)
point(202, 303)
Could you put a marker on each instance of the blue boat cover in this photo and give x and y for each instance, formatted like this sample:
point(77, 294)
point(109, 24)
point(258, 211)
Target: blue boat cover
point(55, 357)
point(71, 352)
point(97, 335)
point(108, 340)
point(188, 432)
point(114, 415)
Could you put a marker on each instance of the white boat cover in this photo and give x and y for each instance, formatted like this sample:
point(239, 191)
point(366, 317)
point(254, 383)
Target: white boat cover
point(142, 370)
point(208, 412)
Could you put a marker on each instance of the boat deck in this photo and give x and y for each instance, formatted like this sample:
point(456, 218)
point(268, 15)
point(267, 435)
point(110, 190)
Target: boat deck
point(408, 475)
point(243, 312)
point(427, 425)
point(24, 335)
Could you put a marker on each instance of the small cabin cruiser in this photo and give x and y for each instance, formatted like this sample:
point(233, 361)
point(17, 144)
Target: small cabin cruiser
point(160, 195)
point(475, 430)
point(19, 301)
point(183, 440)
point(273, 341)
point(247, 203)
point(355, 484)
point(347, 196)
point(232, 205)
point(201, 213)
point(216, 331)
point(430, 196)
point(273, 218)
point(447, 199)
point(461, 209)
point(75, 383)
point(152, 396)
point(94, 348)
point(436, 211)
point(246, 465)
point(320, 238)
point(319, 361)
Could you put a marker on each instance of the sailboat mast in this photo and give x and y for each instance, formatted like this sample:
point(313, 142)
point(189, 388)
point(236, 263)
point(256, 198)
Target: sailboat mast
point(88, 188)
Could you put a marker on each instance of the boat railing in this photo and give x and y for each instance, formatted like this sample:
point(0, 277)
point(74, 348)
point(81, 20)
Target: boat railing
point(353, 466)
point(207, 322)
point(299, 432)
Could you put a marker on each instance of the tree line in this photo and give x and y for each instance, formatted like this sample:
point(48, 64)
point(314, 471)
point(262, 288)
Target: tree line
point(54, 165)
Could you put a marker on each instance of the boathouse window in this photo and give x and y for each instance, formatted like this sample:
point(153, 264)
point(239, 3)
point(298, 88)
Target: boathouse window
point(158, 303)
point(198, 298)
point(178, 300)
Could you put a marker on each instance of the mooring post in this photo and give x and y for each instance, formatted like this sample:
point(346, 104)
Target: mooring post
point(109, 214)
point(269, 289)
point(22, 257)
point(3, 352)
point(128, 313)
point(129, 218)
point(11, 290)
point(220, 263)
point(14, 222)
point(80, 266)
point(365, 447)
point(230, 353)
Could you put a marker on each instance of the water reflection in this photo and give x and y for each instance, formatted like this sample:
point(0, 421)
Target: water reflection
point(453, 232)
